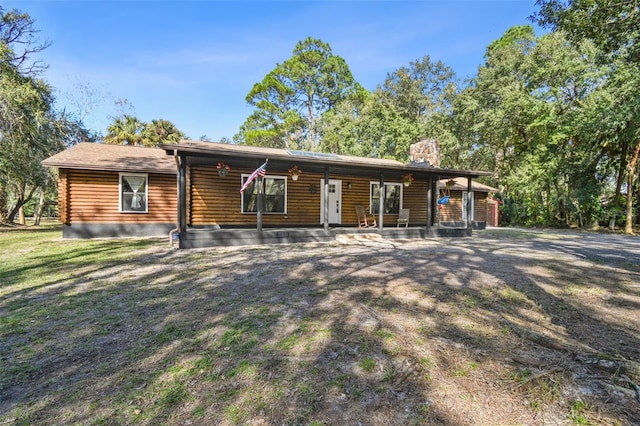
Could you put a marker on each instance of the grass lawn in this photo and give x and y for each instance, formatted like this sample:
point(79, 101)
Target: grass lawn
point(494, 329)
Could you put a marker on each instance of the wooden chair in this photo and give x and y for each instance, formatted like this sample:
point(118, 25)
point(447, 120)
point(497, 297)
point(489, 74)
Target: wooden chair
point(403, 218)
point(365, 220)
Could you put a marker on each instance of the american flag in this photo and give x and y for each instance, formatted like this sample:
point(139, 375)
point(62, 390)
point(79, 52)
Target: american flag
point(259, 171)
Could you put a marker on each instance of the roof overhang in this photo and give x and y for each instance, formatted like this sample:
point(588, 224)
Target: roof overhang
point(113, 158)
point(243, 156)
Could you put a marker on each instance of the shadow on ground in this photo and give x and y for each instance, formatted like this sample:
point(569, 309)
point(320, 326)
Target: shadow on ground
point(482, 330)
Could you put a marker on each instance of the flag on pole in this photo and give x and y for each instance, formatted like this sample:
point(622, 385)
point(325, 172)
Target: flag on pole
point(262, 170)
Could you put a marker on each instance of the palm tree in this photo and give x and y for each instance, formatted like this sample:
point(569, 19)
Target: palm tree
point(160, 131)
point(125, 130)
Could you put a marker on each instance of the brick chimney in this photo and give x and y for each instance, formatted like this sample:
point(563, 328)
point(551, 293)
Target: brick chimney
point(425, 152)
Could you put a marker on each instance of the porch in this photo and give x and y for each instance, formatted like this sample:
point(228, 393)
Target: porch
point(221, 203)
point(199, 237)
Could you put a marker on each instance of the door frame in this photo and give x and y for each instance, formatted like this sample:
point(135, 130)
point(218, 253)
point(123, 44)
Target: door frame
point(338, 186)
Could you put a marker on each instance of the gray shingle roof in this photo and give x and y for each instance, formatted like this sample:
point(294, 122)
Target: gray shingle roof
point(96, 156)
point(345, 162)
point(461, 185)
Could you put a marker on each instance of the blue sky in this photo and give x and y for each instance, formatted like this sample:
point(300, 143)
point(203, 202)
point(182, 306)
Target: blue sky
point(193, 62)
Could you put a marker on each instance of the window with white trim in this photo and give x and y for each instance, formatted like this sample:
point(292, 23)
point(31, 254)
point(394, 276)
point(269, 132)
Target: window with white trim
point(133, 193)
point(392, 198)
point(275, 195)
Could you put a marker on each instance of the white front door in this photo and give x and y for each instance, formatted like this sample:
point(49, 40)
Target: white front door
point(335, 201)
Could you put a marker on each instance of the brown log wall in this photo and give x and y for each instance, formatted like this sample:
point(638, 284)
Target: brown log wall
point(480, 206)
point(215, 199)
point(415, 199)
point(63, 196)
point(92, 197)
point(452, 211)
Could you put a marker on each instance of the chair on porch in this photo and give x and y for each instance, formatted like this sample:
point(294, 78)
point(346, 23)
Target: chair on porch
point(403, 218)
point(365, 220)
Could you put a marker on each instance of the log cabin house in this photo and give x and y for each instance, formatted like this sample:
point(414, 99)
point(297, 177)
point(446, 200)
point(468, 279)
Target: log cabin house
point(115, 190)
point(191, 191)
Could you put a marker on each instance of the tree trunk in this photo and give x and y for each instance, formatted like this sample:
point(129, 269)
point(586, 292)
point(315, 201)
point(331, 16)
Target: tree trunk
point(311, 122)
point(3, 203)
point(21, 201)
point(619, 180)
point(11, 217)
point(631, 167)
point(21, 219)
point(638, 198)
point(37, 214)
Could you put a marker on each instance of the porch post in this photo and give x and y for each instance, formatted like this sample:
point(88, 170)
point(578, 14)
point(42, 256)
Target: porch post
point(468, 201)
point(325, 219)
point(260, 181)
point(429, 202)
point(182, 195)
point(381, 203)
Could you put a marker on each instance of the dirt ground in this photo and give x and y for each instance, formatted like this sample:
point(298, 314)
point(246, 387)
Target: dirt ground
point(508, 327)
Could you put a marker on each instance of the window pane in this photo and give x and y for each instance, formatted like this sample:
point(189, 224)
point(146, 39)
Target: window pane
point(133, 197)
point(250, 197)
point(375, 198)
point(125, 185)
point(391, 198)
point(274, 196)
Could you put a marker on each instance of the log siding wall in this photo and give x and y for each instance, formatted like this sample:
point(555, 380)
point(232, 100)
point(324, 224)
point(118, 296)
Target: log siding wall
point(216, 200)
point(63, 196)
point(452, 211)
point(92, 197)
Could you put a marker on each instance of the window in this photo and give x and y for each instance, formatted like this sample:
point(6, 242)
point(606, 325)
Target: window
point(275, 195)
point(392, 198)
point(133, 193)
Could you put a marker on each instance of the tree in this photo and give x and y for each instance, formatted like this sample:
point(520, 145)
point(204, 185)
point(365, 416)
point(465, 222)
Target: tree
point(19, 34)
point(30, 128)
point(341, 130)
point(423, 95)
point(533, 114)
point(129, 130)
point(82, 99)
point(413, 101)
point(125, 130)
point(368, 128)
point(290, 100)
point(161, 131)
point(30, 131)
point(614, 27)
point(623, 116)
point(491, 115)
point(422, 89)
